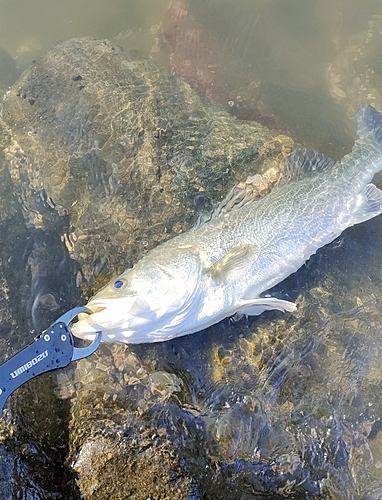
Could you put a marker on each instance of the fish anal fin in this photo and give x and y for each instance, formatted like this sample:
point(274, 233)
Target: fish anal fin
point(234, 263)
point(304, 162)
point(254, 307)
point(368, 205)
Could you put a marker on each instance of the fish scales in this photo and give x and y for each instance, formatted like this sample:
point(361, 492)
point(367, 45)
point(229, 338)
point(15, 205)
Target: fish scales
point(222, 266)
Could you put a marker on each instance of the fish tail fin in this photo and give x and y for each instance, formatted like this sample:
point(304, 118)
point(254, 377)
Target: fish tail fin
point(366, 156)
point(369, 125)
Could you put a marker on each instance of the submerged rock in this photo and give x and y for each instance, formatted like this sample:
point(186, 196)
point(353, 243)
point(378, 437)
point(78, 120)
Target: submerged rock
point(123, 148)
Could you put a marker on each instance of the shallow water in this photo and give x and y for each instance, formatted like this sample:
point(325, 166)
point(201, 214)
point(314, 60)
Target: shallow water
point(277, 405)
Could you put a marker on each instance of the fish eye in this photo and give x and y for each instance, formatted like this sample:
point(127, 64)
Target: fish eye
point(119, 284)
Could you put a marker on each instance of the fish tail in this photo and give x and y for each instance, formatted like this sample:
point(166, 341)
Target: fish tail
point(369, 125)
point(365, 160)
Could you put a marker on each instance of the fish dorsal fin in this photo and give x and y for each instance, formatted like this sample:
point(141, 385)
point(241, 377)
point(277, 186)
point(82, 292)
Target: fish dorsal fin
point(235, 199)
point(254, 187)
point(302, 163)
point(233, 263)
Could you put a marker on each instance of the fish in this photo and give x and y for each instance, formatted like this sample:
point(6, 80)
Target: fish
point(223, 266)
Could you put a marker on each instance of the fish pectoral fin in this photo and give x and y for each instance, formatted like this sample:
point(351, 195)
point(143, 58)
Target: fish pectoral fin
point(369, 204)
point(234, 263)
point(254, 307)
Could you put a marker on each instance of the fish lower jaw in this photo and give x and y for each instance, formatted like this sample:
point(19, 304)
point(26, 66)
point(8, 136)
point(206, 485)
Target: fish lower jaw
point(85, 332)
point(88, 332)
point(96, 306)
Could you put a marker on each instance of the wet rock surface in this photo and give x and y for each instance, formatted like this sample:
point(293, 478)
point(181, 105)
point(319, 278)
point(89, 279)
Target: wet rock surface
point(104, 156)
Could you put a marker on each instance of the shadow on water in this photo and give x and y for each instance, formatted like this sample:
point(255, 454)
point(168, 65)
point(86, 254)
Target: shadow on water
point(36, 264)
point(37, 279)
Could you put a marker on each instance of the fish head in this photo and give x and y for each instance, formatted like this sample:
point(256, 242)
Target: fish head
point(146, 303)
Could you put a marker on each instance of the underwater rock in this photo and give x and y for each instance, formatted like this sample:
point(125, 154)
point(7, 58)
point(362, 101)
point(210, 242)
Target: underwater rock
point(123, 148)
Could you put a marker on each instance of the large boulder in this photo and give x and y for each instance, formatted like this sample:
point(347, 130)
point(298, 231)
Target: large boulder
point(123, 148)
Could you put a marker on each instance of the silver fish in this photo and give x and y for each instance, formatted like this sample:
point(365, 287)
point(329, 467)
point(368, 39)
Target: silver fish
point(221, 267)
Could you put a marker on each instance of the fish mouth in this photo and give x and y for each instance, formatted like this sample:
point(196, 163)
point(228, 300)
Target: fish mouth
point(117, 319)
point(104, 316)
point(87, 326)
point(92, 308)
